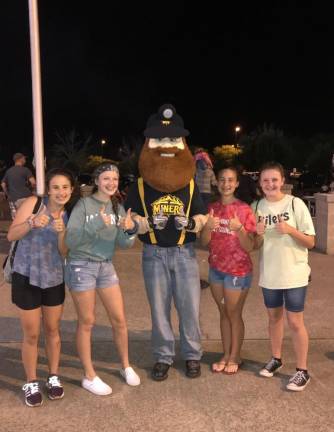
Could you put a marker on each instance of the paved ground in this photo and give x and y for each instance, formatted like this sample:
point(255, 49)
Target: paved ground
point(244, 402)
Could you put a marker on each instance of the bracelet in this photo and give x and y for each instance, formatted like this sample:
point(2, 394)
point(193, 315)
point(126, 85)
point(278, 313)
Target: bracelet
point(133, 230)
point(30, 222)
point(191, 224)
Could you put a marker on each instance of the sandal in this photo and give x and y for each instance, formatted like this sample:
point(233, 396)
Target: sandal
point(235, 369)
point(218, 366)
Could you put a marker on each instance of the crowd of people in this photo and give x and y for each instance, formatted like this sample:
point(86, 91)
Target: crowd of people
point(66, 243)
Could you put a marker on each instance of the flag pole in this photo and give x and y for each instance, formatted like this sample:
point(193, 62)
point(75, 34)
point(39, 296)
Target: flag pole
point(36, 97)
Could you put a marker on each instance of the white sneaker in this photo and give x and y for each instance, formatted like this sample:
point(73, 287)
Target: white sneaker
point(96, 386)
point(130, 376)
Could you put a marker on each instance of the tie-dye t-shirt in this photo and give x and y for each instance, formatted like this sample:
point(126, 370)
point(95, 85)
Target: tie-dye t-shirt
point(226, 253)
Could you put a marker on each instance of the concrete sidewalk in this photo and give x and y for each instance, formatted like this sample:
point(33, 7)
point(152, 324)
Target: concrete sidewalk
point(213, 402)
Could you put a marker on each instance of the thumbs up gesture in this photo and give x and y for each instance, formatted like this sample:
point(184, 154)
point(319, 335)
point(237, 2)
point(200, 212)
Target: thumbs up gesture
point(234, 223)
point(213, 221)
point(282, 227)
point(126, 222)
point(41, 220)
point(260, 226)
point(58, 223)
point(104, 216)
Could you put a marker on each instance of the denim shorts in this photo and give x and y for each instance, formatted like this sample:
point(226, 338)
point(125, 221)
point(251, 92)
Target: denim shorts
point(292, 298)
point(229, 281)
point(84, 275)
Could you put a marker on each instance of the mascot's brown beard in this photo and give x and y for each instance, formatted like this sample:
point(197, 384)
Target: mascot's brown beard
point(166, 174)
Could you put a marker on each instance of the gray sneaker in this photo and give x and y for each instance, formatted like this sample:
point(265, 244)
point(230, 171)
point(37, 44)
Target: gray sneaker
point(298, 381)
point(271, 368)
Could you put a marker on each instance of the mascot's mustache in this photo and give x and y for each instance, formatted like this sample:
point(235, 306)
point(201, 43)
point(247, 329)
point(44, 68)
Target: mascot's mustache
point(165, 152)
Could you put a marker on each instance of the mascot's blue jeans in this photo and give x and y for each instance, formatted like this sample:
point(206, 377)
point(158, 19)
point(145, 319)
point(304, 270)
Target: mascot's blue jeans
point(172, 273)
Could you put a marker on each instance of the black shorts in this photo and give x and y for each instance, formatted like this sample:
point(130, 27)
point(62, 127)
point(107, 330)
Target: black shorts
point(29, 297)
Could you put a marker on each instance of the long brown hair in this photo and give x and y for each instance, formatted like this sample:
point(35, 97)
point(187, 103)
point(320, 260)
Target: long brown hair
point(75, 195)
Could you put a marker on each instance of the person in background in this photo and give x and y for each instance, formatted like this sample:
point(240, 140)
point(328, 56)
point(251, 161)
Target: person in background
point(247, 190)
point(205, 177)
point(18, 183)
point(97, 224)
point(285, 232)
point(37, 282)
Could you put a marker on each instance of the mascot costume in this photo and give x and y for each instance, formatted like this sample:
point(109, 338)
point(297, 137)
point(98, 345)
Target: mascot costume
point(168, 209)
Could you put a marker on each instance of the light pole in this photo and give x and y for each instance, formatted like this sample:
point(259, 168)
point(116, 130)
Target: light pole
point(237, 130)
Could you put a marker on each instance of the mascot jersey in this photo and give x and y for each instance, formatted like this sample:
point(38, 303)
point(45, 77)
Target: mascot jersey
point(169, 204)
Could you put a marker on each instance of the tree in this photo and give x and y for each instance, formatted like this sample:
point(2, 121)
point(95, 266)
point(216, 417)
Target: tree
point(93, 161)
point(226, 154)
point(320, 159)
point(71, 150)
point(264, 144)
point(129, 154)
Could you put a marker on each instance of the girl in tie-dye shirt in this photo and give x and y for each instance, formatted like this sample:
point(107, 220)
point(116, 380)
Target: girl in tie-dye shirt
point(230, 235)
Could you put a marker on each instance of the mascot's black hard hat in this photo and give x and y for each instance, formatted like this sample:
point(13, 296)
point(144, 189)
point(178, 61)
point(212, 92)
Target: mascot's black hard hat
point(165, 124)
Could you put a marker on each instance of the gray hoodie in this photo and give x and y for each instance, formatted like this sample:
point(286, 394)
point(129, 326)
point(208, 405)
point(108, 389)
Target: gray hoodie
point(87, 236)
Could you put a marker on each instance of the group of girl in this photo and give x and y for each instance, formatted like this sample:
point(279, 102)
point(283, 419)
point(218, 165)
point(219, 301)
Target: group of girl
point(87, 239)
point(281, 227)
point(278, 224)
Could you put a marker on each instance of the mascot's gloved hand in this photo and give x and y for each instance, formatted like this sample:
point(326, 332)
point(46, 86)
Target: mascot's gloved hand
point(183, 222)
point(158, 221)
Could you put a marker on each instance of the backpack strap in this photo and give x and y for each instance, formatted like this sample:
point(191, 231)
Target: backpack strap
point(142, 197)
point(12, 252)
point(191, 193)
point(38, 205)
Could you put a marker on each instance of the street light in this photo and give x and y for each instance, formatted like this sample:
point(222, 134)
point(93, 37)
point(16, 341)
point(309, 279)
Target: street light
point(237, 130)
point(103, 142)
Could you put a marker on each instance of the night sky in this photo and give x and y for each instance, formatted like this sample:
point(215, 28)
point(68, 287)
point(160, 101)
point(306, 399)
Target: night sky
point(106, 66)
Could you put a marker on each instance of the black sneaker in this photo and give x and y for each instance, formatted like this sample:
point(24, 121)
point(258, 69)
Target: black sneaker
point(33, 397)
point(271, 368)
point(193, 368)
point(299, 381)
point(54, 388)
